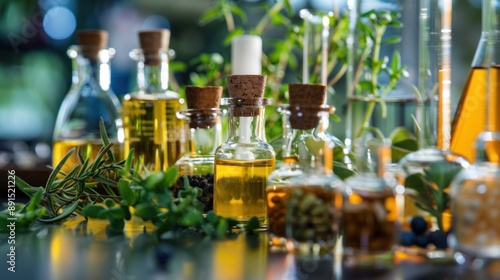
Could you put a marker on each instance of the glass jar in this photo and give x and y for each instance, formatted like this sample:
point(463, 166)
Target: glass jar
point(89, 99)
point(312, 200)
point(369, 212)
point(151, 126)
point(245, 160)
point(202, 124)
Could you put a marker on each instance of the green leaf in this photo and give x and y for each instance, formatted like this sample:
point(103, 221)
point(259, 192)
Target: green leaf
point(441, 173)
point(252, 224)
point(35, 201)
point(211, 217)
point(400, 134)
point(66, 212)
point(392, 40)
point(116, 213)
point(146, 211)
point(93, 211)
point(154, 180)
point(342, 171)
point(417, 183)
point(109, 203)
point(402, 148)
point(25, 187)
point(126, 192)
point(171, 176)
point(55, 171)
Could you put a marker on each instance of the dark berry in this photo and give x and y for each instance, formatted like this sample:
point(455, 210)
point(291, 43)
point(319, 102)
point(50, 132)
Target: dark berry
point(421, 241)
point(439, 239)
point(418, 225)
point(407, 238)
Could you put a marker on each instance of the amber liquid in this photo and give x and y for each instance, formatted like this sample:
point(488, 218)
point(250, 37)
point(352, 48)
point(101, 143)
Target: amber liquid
point(88, 149)
point(240, 189)
point(154, 132)
point(470, 117)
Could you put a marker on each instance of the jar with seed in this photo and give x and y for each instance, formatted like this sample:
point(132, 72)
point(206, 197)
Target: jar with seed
point(204, 133)
point(311, 200)
point(369, 213)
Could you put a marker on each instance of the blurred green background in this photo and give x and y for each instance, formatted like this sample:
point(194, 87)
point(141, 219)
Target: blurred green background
point(35, 72)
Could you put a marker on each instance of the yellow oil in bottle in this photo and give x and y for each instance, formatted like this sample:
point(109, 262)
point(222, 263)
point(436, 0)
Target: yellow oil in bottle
point(154, 132)
point(240, 188)
point(88, 149)
point(470, 117)
point(493, 114)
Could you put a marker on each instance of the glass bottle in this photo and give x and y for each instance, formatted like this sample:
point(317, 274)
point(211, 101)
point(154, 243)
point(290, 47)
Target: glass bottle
point(150, 123)
point(278, 181)
point(469, 120)
point(475, 191)
point(314, 198)
point(369, 213)
point(203, 132)
point(245, 160)
point(89, 99)
point(424, 176)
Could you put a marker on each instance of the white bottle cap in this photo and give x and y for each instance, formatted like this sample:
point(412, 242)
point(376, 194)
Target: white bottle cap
point(246, 55)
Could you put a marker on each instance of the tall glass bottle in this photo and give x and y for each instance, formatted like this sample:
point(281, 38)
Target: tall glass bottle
point(150, 123)
point(427, 173)
point(470, 120)
point(278, 182)
point(203, 132)
point(475, 191)
point(89, 99)
point(314, 199)
point(245, 160)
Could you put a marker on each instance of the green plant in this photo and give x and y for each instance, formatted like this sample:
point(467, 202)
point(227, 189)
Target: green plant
point(117, 192)
point(431, 188)
point(372, 26)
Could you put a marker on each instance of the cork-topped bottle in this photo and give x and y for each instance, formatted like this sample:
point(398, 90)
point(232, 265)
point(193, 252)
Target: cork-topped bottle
point(244, 161)
point(310, 200)
point(202, 125)
point(151, 126)
point(89, 99)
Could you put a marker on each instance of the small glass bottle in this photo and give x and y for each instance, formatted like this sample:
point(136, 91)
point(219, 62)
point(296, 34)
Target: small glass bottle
point(89, 99)
point(313, 198)
point(278, 182)
point(150, 123)
point(203, 132)
point(369, 213)
point(245, 160)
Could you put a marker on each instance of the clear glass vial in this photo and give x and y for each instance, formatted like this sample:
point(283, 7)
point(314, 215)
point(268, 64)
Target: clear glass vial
point(245, 160)
point(203, 130)
point(89, 99)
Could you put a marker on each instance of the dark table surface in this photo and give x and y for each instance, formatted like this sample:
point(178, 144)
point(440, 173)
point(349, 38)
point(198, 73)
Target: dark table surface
point(79, 250)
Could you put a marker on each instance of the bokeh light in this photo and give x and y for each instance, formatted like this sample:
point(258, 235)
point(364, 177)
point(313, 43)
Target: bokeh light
point(59, 23)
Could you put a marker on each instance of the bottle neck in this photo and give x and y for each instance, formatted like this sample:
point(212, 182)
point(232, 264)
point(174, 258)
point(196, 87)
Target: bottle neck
point(246, 129)
point(153, 77)
point(311, 146)
point(88, 71)
point(203, 131)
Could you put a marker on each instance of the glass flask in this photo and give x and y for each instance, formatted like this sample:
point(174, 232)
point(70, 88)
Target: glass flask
point(475, 190)
point(150, 123)
point(89, 99)
point(278, 182)
point(245, 160)
point(469, 120)
point(203, 132)
point(424, 176)
point(369, 213)
point(314, 197)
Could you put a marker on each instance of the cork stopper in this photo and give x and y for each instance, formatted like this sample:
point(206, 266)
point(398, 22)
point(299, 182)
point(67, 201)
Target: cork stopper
point(306, 102)
point(249, 88)
point(206, 97)
point(152, 42)
point(204, 104)
point(311, 94)
point(91, 42)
